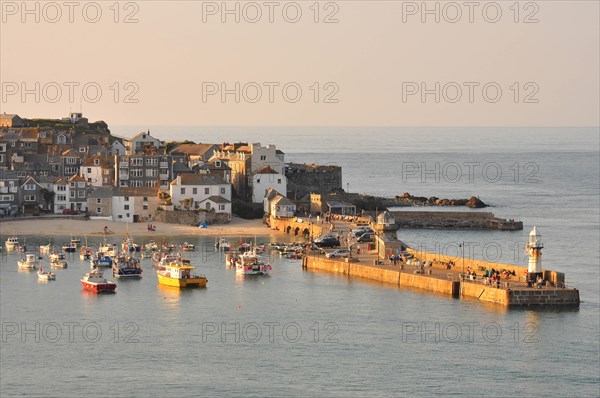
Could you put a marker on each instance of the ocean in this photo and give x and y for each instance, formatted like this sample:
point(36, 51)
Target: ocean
point(298, 333)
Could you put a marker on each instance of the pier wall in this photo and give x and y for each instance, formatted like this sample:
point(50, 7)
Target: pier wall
point(481, 292)
point(291, 227)
point(526, 298)
point(453, 219)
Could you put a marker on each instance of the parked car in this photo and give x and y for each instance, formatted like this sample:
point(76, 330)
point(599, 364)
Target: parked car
point(327, 241)
point(70, 212)
point(338, 253)
point(366, 238)
point(361, 231)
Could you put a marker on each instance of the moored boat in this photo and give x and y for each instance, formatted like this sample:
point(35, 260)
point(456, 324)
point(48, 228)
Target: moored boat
point(12, 243)
point(85, 253)
point(101, 261)
point(75, 243)
point(69, 248)
point(127, 267)
point(108, 249)
point(57, 262)
point(250, 263)
point(178, 274)
point(29, 262)
point(223, 245)
point(94, 281)
point(128, 246)
point(45, 275)
point(187, 247)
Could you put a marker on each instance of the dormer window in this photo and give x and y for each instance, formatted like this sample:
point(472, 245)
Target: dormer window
point(96, 162)
point(218, 163)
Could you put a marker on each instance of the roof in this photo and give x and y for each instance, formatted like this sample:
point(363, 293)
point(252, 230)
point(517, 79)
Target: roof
point(77, 178)
point(143, 133)
point(192, 149)
point(102, 192)
point(271, 193)
point(338, 204)
point(8, 116)
point(385, 218)
point(69, 153)
point(199, 179)
point(60, 181)
point(216, 199)
point(282, 201)
point(142, 191)
point(179, 167)
point(265, 170)
point(103, 162)
point(279, 152)
point(28, 135)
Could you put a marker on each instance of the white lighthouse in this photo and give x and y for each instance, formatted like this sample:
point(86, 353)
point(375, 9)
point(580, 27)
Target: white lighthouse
point(534, 249)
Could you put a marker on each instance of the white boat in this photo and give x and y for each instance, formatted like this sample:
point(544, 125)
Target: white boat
point(75, 243)
point(12, 243)
point(29, 262)
point(250, 263)
point(46, 248)
point(56, 256)
point(151, 246)
point(222, 244)
point(95, 282)
point(128, 246)
point(187, 247)
point(57, 262)
point(107, 249)
point(45, 275)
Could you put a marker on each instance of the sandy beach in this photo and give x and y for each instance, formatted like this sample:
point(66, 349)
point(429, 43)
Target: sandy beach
point(81, 228)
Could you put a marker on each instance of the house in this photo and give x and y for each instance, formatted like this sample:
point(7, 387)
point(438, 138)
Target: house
point(61, 195)
point(33, 196)
point(9, 193)
point(117, 148)
point(269, 195)
point(28, 140)
point(195, 153)
point(282, 207)
point(189, 191)
point(98, 170)
point(70, 161)
point(215, 167)
point(218, 204)
point(134, 204)
point(10, 120)
point(99, 202)
point(264, 179)
point(143, 143)
point(5, 153)
point(78, 192)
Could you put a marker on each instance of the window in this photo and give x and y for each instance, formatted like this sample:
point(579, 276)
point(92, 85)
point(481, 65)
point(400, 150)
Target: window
point(150, 183)
point(30, 187)
point(89, 170)
point(126, 198)
point(258, 181)
point(195, 191)
point(81, 194)
point(81, 149)
point(222, 207)
point(222, 191)
point(105, 180)
point(145, 207)
point(137, 172)
point(89, 180)
point(151, 172)
point(81, 184)
point(137, 161)
point(72, 194)
point(120, 216)
point(72, 184)
point(6, 198)
point(106, 171)
point(127, 215)
point(126, 207)
point(30, 198)
point(183, 191)
point(61, 198)
point(263, 157)
point(279, 181)
point(151, 161)
point(207, 191)
point(145, 199)
point(61, 188)
point(99, 210)
point(96, 162)
point(98, 201)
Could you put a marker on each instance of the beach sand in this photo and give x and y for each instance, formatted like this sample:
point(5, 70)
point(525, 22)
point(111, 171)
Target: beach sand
point(81, 228)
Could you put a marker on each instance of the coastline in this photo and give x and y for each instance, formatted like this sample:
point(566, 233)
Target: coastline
point(81, 228)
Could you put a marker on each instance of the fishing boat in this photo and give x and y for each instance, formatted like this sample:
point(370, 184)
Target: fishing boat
point(222, 244)
point(29, 262)
point(95, 282)
point(12, 243)
point(85, 253)
point(56, 256)
point(179, 274)
point(108, 249)
point(250, 263)
point(46, 248)
point(187, 247)
point(45, 275)
point(128, 246)
point(69, 248)
point(101, 261)
point(151, 246)
point(127, 267)
point(75, 243)
point(57, 262)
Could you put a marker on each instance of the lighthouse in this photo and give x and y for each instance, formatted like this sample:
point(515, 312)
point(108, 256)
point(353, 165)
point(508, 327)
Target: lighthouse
point(534, 249)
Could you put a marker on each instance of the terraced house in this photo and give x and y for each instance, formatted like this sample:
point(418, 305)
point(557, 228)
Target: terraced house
point(78, 192)
point(143, 171)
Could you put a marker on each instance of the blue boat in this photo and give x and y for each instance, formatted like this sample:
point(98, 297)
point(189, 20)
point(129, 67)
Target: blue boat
point(127, 267)
point(104, 261)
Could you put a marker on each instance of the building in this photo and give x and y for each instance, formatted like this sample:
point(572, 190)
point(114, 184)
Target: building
point(282, 207)
point(189, 191)
point(70, 161)
point(78, 192)
point(9, 193)
point(33, 196)
point(215, 167)
point(143, 171)
point(62, 196)
point(143, 143)
point(342, 208)
point(269, 195)
point(10, 120)
point(99, 202)
point(195, 154)
point(218, 204)
point(134, 204)
point(98, 170)
point(264, 179)
point(117, 148)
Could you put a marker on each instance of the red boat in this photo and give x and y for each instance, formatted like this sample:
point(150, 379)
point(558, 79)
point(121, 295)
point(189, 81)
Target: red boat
point(95, 282)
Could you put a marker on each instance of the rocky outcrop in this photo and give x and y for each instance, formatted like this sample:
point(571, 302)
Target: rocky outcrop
point(408, 200)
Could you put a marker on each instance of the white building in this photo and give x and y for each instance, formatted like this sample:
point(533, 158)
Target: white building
point(264, 179)
point(218, 204)
point(191, 190)
point(62, 195)
point(122, 206)
point(282, 207)
point(142, 141)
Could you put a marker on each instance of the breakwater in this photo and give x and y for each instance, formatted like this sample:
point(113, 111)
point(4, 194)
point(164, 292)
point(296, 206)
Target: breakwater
point(510, 293)
point(454, 220)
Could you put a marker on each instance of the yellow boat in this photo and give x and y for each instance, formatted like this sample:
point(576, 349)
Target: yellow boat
point(179, 274)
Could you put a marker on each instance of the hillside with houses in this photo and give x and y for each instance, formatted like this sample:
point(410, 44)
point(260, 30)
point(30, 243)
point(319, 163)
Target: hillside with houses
point(72, 166)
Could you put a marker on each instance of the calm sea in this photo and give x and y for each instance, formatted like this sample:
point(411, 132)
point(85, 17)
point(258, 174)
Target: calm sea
point(305, 334)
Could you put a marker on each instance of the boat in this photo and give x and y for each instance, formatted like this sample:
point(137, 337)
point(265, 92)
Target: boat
point(128, 246)
point(57, 262)
point(85, 253)
point(222, 244)
point(94, 281)
point(69, 248)
point(101, 261)
point(127, 267)
point(75, 243)
point(45, 275)
point(56, 256)
point(151, 246)
point(187, 247)
point(46, 248)
point(179, 274)
point(29, 262)
point(12, 243)
point(250, 263)
point(108, 249)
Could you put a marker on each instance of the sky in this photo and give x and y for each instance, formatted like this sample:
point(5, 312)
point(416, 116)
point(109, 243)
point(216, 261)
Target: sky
point(303, 63)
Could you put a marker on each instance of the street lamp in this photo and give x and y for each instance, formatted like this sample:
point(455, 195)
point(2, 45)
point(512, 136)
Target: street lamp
point(462, 245)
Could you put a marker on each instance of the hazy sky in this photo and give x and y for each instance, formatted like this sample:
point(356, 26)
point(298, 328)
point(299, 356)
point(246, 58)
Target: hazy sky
point(374, 61)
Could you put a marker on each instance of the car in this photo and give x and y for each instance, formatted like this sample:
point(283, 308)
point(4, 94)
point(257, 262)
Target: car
point(365, 238)
point(361, 231)
point(70, 212)
point(327, 241)
point(338, 253)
